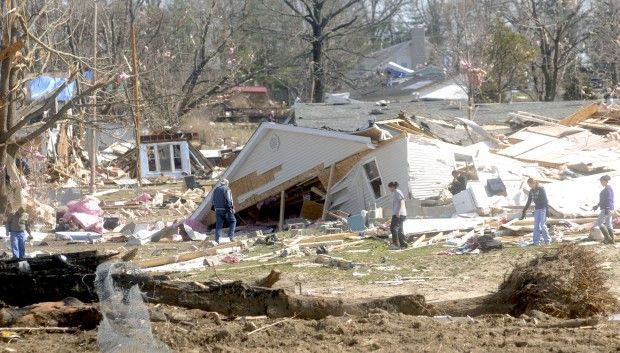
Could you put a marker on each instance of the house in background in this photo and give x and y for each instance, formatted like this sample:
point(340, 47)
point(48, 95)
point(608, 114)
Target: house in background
point(246, 103)
point(410, 54)
point(167, 153)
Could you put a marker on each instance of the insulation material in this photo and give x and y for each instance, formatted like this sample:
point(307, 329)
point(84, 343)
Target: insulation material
point(432, 225)
point(85, 213)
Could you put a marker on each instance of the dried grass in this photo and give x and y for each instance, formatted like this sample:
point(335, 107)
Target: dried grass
point(565, 283)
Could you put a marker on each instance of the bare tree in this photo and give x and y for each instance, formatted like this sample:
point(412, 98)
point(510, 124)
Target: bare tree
point(325, 22)
point(23, 54)
point(559, 30)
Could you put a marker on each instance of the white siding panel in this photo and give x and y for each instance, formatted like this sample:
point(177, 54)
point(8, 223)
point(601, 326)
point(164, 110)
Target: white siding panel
point(296, 152)
point(357, 195)
point(430, 168)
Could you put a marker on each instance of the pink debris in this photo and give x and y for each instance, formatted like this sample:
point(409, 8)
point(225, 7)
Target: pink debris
point(197, 226)
point(88, 205)
point(144, 198)
point(85, 213)
point(231, 259)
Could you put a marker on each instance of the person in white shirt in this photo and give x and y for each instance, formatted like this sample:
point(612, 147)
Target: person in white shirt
point(399, 214)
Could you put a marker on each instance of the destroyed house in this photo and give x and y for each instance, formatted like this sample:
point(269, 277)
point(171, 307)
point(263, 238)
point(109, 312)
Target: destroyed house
point(167, 154)
point(170, 154)
point(289, 172)
point(284, 160)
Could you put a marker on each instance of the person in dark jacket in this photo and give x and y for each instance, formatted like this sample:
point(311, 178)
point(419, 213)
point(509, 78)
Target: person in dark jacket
point(18, 228)
point(539, 197)
point(606, 204)
point(459, 183)
point(224, 210)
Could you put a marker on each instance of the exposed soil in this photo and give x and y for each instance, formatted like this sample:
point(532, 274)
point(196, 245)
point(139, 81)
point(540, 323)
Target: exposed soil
point(193, 331)
point(456, 278)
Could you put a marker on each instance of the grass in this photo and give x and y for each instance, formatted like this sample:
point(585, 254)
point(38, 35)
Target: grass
point(378, 264)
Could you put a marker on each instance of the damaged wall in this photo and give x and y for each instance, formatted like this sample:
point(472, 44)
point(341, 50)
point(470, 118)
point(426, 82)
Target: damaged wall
point(279, 155)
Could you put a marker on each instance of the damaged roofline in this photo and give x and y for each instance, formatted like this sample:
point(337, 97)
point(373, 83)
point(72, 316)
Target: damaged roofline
point(263, 129)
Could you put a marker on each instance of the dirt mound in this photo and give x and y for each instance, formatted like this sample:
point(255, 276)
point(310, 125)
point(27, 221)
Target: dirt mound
point(565, 283)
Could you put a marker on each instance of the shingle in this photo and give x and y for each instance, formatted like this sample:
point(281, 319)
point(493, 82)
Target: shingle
point(350, 117)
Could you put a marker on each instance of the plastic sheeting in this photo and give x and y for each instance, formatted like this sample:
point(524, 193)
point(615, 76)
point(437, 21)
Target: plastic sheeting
point(44, 85)
point(397, 71)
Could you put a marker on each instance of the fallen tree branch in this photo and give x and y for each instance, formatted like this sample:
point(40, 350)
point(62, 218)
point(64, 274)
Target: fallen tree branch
point(239, 299)
point(45, 329)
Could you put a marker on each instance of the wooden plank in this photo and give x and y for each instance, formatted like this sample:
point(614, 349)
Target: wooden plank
point(321, 243)
point(437, 237)
point(330, 183)
point(580, 115)
point(337, 236)
point(318, 191)
point(417, 242)
point(282, 207)
point(312, 210)
point(252, 181)
point(165, 260)
point(605, 127)
point(469, 235)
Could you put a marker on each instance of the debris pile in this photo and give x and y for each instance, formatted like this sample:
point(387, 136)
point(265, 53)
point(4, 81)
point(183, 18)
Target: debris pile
point(565, 283)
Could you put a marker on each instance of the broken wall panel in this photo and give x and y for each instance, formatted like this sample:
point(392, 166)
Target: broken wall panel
point(300, 154)
point(253, 181)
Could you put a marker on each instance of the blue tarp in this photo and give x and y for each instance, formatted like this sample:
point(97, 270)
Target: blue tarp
point(44, 85)
point(397, 71)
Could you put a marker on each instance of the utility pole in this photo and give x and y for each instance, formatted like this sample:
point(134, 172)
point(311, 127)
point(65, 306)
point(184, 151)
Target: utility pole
point(93, 129)
point(136, 91)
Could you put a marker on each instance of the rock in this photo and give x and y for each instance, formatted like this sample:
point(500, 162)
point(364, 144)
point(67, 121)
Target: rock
point(158, 316)
point(249, 326)
point(176, 318)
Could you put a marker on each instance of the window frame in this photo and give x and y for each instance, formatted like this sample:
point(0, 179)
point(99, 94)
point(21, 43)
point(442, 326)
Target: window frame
point(382, 192)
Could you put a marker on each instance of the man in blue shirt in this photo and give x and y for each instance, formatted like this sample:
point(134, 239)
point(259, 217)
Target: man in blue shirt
point(224, 210)
point(606, 203)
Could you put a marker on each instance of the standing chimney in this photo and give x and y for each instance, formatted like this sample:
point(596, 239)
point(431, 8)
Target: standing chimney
point(418, 47)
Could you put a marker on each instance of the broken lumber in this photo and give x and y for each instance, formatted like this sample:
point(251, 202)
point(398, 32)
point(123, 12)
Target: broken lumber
point(334, 262)
point(321, 243)
point(329, 237)
point(418, 242)
point(270, 279)
point(171, 259)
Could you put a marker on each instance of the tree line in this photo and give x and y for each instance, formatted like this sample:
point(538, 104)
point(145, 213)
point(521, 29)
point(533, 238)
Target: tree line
point(189, 53)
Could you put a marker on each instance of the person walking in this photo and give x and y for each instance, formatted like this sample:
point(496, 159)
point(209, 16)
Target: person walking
point(459, 183)
point(606, 203)
point(18, 229)
point(399, 214)
point(539, 196)
point(224, 210)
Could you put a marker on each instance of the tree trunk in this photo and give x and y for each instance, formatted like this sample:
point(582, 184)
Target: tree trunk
point(239, 299)
point(318, 72)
